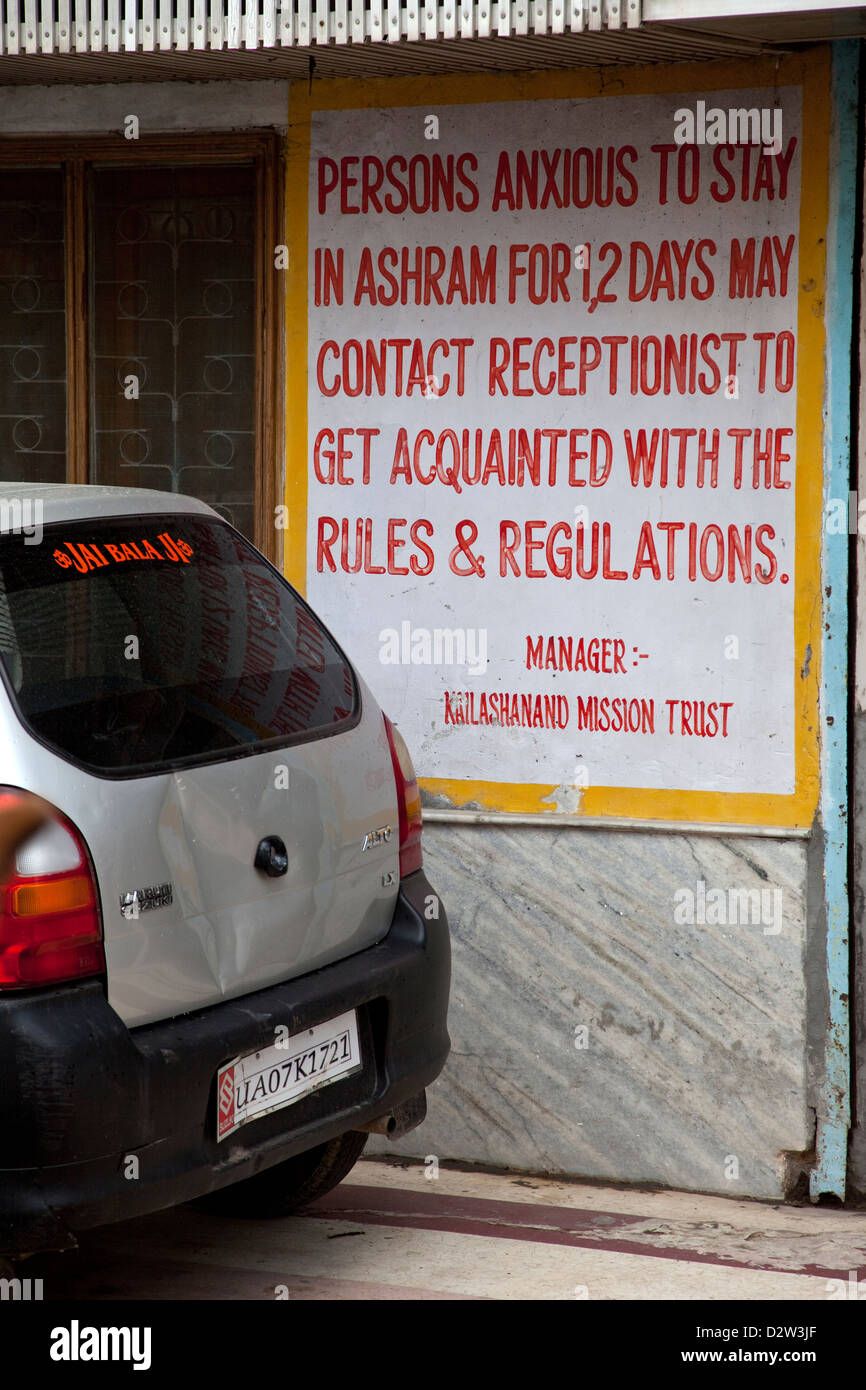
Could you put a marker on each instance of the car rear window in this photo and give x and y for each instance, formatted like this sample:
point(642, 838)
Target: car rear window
point(135, 644)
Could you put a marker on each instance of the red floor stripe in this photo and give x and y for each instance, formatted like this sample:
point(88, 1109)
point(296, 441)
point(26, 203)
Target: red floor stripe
point(543, 1225)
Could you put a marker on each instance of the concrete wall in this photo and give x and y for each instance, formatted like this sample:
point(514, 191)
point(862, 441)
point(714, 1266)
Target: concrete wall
point(698, 1036)
point(159, 106)
point(857, 1171)
point(858, 791)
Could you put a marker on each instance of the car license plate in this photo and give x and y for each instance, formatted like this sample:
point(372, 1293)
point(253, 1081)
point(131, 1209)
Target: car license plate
point(251, 1086)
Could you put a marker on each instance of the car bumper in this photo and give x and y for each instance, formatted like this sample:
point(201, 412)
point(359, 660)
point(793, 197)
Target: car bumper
point(98, 1124)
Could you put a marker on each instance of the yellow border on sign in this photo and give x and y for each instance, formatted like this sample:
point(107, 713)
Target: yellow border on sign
point(809, 70)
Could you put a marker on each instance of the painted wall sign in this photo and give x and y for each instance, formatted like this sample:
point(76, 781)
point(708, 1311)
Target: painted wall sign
point(558, 487)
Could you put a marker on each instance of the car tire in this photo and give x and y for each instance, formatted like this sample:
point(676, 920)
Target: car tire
point(288, 1186)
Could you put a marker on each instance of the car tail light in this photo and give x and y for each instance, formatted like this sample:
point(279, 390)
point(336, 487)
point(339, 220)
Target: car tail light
point(408, 801)
point(50, 927)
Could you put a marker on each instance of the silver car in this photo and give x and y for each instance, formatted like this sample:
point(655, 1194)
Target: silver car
point(221, 964)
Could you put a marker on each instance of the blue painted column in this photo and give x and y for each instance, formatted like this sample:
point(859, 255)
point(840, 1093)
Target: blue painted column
point(834, 1104)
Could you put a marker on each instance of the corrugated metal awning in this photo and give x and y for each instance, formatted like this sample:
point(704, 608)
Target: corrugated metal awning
point(46, 41)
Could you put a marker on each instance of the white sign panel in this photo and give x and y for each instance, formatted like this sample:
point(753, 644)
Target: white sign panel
point(552, 400)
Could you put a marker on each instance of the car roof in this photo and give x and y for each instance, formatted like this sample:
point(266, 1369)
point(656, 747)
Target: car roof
point(78, 502)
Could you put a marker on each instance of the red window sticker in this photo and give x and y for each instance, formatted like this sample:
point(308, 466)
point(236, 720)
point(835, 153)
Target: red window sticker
point(77, 555)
